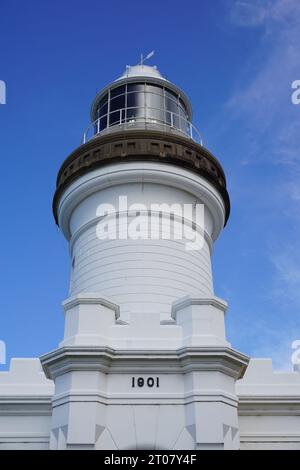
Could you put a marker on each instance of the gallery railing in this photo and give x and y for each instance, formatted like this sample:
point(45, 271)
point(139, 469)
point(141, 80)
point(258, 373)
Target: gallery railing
point(142, 118)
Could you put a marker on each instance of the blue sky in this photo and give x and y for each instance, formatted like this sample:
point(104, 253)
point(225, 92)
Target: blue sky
point(236, 60)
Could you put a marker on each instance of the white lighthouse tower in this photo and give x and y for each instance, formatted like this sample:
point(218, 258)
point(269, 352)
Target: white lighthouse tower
point(144, 362)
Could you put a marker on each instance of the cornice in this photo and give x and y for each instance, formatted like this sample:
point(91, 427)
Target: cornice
point(141, 145)
point(269, 405)
point(90, 299)
point(26, 405)
point(108, 360)
point(188, 301)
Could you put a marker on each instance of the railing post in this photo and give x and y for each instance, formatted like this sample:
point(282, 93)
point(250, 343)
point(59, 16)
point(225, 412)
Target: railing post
point(98, 125)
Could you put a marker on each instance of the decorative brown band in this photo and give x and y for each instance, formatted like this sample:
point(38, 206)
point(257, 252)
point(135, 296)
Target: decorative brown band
point(146, 145)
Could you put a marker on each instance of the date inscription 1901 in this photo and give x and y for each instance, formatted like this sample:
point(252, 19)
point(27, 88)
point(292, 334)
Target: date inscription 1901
point(145, 382)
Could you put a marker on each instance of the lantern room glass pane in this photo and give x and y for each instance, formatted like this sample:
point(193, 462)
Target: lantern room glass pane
point(114, 118)
point(155, 107)
point(103, 101)
point(171, 106)
point(155, 115)
point(103, 123)
point(117, 103)
point(135, 100)
point(135, 87)
point(120, 90)
point(154, 101)
point(103, 110)
point(154, 89)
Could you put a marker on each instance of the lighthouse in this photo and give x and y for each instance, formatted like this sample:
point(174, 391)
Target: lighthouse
point(144, 362)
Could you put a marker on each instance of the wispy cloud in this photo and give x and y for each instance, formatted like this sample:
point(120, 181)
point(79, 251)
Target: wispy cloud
point(273, 122)
point(248, 14)
point(287, 265)
point(266, 13)
point(264, 102)
point(263, 338)
point(270, 125)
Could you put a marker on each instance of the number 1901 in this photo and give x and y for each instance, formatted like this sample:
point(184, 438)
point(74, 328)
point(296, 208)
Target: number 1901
point(142, 382)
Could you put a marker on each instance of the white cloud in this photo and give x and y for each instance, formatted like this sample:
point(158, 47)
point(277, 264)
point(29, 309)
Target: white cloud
point(293, 190)
point(270, 128)
point(248, 14)
point(267, 13)
point(264, 102)
point(287, 264)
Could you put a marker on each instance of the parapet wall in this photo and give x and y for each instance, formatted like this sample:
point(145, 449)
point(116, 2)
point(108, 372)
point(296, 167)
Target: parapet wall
point(25, 405)
point(269, 407)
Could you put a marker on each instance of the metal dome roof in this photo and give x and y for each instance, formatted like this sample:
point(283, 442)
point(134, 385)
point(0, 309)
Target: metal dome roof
point(141, 70)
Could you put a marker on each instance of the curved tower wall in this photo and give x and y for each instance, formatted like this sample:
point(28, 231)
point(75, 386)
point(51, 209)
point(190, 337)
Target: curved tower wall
point(138, 274)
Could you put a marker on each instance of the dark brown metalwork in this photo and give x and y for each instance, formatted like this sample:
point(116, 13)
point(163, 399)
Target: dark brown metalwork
point(141, 145)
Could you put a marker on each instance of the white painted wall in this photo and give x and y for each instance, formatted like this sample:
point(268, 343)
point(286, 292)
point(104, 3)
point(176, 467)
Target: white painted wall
point(269, 407)
point(25, 406)
point(139, 275)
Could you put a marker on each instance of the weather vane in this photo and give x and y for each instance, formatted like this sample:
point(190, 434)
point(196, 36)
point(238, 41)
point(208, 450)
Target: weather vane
point(143, 59)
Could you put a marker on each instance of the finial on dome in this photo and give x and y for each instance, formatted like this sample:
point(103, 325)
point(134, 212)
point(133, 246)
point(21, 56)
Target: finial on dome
point(142, 70)
point(143, 59)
